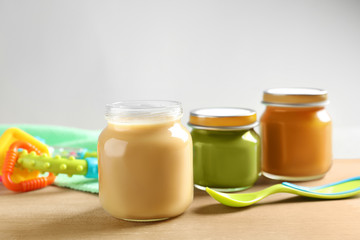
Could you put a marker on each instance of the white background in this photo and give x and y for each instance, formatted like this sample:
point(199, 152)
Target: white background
point(62, 61)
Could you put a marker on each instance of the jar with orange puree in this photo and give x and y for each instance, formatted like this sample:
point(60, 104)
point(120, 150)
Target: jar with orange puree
point(296, 134)
point(145, 161)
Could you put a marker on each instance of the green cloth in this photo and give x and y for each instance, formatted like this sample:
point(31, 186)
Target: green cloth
point(65, 137)
point(78, 182)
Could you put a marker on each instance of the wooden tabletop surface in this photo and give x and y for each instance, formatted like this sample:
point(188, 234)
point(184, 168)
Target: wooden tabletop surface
point(59, 213)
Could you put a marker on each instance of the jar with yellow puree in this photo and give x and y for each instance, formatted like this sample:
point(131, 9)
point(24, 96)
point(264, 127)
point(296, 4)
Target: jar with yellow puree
point(145, 161)
point(296, 134)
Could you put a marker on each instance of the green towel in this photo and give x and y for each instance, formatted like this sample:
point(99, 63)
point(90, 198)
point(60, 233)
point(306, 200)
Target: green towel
point(65, 137)
point(78, 182)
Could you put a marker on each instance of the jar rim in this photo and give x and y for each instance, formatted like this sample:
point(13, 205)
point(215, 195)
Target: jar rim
point(220, 117)
point(143, 110)
point(295, 97)
point(231, 128)
point(304, 105)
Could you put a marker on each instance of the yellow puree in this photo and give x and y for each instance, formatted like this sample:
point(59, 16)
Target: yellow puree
point(145, 170)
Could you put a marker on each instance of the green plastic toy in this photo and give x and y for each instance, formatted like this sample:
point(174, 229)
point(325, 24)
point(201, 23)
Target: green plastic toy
point(70, 166)
point(342, 189)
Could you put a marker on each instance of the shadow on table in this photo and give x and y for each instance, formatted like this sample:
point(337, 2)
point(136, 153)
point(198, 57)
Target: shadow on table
point(49, 191)
point(91, 224)
point(218, 208)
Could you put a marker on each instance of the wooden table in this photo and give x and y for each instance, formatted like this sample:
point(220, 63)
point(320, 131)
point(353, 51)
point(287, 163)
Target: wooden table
point(59, 213)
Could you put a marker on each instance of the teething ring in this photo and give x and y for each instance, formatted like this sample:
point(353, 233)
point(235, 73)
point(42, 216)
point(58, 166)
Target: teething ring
point(10, 160)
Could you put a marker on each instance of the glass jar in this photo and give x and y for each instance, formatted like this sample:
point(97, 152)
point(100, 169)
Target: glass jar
point(226, 148)
point(296, 134)
point(145, 161)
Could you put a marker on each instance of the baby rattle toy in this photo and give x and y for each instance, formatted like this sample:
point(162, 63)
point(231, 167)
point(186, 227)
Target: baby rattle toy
point(23, 157)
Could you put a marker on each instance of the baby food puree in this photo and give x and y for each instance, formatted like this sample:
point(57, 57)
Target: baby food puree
point(296, 134)
point(145, 161)
point(226, 148)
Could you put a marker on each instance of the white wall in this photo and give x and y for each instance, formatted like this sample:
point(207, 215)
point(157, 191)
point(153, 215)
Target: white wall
point(62, 61)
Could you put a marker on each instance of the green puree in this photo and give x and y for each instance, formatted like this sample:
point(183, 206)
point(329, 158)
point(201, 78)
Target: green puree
point(227, 160)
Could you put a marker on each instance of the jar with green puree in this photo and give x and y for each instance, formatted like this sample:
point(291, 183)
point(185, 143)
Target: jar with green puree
point(226, 148)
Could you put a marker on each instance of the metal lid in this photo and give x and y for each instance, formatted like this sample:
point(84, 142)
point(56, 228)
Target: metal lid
point(225, 118)
point(300, 97)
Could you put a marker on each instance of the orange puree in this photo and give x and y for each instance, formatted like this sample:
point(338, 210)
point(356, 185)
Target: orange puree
point(296, 141)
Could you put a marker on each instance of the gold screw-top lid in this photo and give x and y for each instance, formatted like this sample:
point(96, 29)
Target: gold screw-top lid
point(295, 96)
point(232, 118)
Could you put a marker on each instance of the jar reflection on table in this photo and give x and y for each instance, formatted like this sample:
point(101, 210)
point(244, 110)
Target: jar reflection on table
point(296, 134)
point(145, 161)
